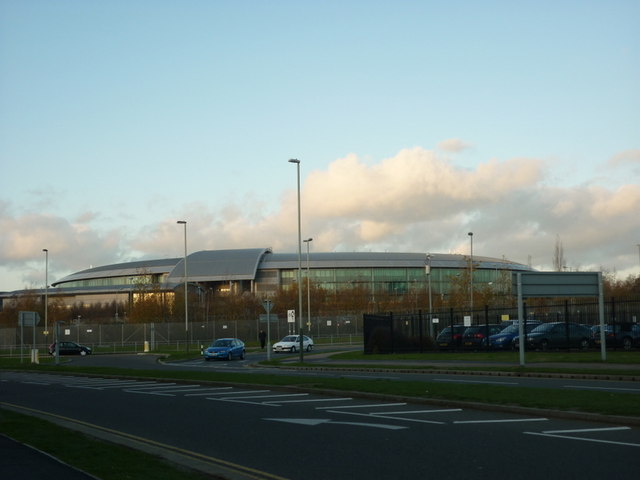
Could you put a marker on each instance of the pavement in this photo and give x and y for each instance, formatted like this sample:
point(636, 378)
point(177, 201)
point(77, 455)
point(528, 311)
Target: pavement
point(21, 461)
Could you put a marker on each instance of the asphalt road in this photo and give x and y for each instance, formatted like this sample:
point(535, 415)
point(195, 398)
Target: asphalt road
point(247, 365)
point(275, 434)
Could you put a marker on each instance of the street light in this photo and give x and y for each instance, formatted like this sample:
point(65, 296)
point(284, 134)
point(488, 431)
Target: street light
point(46, 290)
point(308, 241)
point(297, 162)
point(186, 304)
point(428, 268)
point(471, 276)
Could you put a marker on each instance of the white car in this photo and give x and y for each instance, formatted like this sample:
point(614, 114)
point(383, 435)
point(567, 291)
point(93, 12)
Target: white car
point(291, 343)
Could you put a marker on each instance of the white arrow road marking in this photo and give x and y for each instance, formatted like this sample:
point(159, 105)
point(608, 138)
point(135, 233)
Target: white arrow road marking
point(312, 422)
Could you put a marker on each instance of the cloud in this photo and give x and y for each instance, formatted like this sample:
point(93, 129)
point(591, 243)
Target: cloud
point(627, 157)
point(414, 185)
point(413, 201)
point(72, 246)
point(453, 145)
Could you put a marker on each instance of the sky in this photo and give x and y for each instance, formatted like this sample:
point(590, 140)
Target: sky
point(415, 122)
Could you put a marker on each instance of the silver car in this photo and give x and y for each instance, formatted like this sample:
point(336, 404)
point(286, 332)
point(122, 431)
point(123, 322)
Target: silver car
point(291, 343)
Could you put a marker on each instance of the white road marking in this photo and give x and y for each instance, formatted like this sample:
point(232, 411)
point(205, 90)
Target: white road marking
point(312, 422)
point(402, 412)
point(451, 380)
point(236, 393)
point(207, 391)
point(581, 430)
point(578, 387)
point(364, 406)
point(506, 420)
point(317, 400)
point(390, 417)
point(595, 440)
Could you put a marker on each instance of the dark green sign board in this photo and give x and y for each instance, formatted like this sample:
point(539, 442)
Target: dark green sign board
point(556, 284)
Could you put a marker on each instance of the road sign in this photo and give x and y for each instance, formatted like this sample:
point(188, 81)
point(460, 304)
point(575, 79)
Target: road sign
point(272, 318)
point(28, 319)
point(556, 284)
point(268, 305)
point(291, 316)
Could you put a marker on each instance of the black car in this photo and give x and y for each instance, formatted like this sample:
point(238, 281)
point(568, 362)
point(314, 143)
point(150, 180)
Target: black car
point(476, 336)
point(504, 339)
point(558, 335)
point(450, 337)
point(625, 335)
point(69, 348)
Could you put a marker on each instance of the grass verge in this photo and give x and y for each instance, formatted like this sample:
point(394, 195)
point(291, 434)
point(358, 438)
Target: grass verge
point(101, 459)
point(605, 403)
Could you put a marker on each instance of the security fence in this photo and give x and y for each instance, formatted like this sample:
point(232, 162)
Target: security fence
point(173, 336)
point(416, 332)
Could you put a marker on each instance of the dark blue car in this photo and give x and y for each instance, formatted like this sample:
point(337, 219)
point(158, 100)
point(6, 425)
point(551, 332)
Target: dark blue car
point(224, 348)
point(504, 339)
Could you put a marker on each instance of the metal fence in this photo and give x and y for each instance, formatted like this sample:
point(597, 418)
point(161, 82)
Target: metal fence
point(416, 332)
point(134, 336)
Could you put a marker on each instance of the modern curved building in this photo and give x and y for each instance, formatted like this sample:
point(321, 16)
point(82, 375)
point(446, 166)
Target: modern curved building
point(261, 272)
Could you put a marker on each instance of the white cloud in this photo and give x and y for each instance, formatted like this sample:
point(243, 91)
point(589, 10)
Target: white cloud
point(453, 145)
point(626, 157)
point(413, 201)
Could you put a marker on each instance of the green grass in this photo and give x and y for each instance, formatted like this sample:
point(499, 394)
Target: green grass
point(101, 459)
point(627, 357)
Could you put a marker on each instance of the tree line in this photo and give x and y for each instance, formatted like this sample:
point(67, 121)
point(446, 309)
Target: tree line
point(148, 303)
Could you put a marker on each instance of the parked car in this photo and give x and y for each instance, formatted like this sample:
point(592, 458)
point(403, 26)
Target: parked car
point(225, 348)
point(504, 339)
point(554, 335)
point(625, 335)
point(450, 337)
point(475, 336)
point(69, 348)
point(291, 343)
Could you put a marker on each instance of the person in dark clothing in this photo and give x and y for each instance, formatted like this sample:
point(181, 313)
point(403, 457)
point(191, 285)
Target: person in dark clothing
point(263, 338)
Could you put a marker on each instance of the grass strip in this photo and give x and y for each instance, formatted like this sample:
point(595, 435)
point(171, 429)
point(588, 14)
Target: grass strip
point(605, 403)
point(102, 459)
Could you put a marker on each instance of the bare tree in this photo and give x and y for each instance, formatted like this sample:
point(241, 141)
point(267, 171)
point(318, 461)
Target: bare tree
point(558, 255)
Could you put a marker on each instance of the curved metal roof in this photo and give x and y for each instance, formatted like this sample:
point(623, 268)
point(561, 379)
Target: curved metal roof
point(129, 269)
point(219, 265)
point(384, 260)
point(243, 264)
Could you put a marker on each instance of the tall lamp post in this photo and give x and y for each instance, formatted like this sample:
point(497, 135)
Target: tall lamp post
point(428, 269)
point(471, 277)
point(46, 291)
point(186, 303)
point(297, 162)
point(308, 241)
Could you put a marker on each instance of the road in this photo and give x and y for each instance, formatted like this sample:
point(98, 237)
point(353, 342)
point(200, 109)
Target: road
point(273, 434)
point(245, 366)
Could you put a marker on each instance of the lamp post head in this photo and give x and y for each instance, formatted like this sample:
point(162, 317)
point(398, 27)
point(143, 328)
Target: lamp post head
point(182, 222)
point(45, 250)
point(308, 240)
point(294, 160)
point(470, 234)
